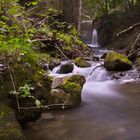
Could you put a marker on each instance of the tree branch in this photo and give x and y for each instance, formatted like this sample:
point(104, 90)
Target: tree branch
point(128, 29)
point(45, 106)
point(14, 87)
point(133, 46)
point(56, 46)
point(96, 68)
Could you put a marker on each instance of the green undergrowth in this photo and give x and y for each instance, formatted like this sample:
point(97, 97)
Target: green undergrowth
point(27, 40)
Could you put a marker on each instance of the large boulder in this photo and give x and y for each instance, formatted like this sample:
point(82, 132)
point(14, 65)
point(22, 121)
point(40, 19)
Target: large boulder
point(66, 68)
point(66, 91)
point(81, 62)
point(117, 62)
point(9, 127)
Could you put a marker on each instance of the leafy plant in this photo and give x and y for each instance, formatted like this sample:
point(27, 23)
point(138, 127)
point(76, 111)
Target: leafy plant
point(25, 92)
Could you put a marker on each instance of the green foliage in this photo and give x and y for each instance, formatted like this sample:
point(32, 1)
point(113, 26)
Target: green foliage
point(63, 32)
point(98, 8)
point(33, 3)
point(25, 92)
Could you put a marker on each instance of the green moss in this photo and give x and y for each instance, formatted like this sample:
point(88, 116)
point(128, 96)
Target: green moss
point(81, 62)
point(11, 134)
point(78, 79)
point(112, 56)
point(71, 87)
point(9, 127)
point(4, 110)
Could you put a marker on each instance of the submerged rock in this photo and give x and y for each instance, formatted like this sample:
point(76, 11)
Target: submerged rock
point(9, 127)
point(81, 62)
point(95, 58)
point(66, 68)
point(103, 56)
point(67, 92)
point(118, 75)
point(117, 62)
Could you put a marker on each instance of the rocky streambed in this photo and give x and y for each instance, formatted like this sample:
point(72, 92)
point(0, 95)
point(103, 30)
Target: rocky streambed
point(106, 102)
point(109, 109)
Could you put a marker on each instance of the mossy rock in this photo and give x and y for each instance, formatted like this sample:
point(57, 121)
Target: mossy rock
point(22, 75)
point(67, 91)
point(117, 62)
point(9, 127)
point(78, 79)
point(70, 87)
point(66, 68)
point(81, 62)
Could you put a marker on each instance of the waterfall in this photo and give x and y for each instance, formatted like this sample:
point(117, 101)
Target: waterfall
point(94, 39)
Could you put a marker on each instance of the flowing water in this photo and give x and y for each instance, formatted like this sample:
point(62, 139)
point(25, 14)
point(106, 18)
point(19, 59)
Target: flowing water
point(94, 43)
point(110, 110)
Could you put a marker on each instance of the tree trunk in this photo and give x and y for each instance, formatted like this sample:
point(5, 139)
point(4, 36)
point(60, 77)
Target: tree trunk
point(80, 15)
point(70, 11)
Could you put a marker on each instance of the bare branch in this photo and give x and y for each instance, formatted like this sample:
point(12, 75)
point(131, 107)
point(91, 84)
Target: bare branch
point(45, 106)
point(56, 46)
point(133, 46)
point(96, 68)
point(14, 87)
point(128, 29)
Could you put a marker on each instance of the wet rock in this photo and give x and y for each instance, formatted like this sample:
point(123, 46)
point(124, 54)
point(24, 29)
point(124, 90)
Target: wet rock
point(25, 116)
point(117, 62)
point(118, 75)
point(67, 92)
point(66, 68)
point(95, 58)
point(81, 62)
point(9, 127)
point(45, 66)
point(103, 56)
point(133, 57)
point(53, 64)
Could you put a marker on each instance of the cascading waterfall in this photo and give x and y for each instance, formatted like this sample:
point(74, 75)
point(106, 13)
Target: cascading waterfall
point(95, 39)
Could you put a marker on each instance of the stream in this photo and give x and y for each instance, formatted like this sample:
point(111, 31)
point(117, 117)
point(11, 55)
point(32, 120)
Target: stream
point(110, 109)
